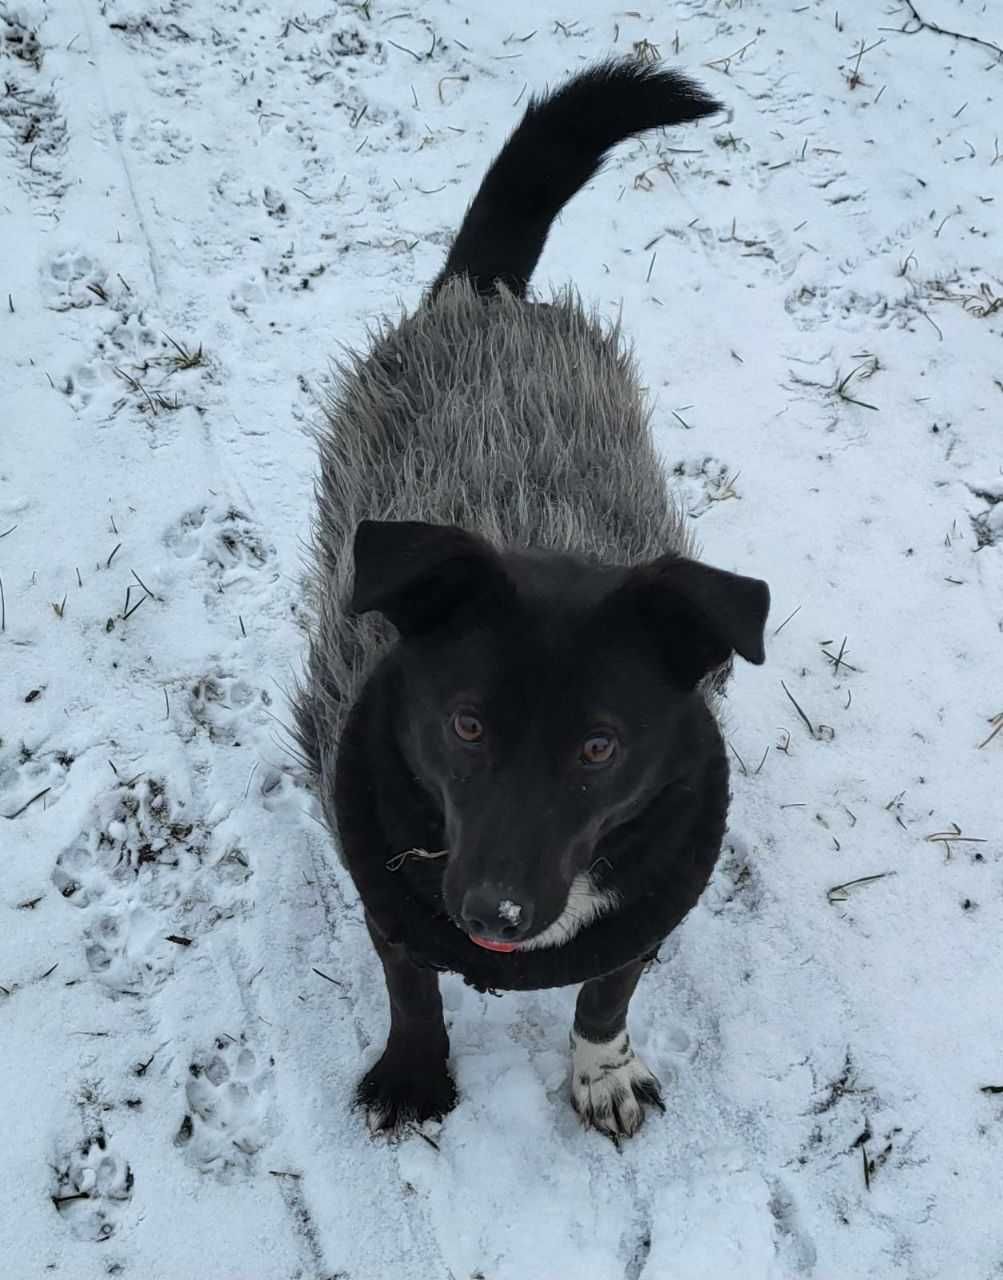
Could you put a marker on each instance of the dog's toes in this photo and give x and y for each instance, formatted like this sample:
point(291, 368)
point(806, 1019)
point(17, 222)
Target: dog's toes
point(611, 1087)
point(394, 1098)
point(648, 1091)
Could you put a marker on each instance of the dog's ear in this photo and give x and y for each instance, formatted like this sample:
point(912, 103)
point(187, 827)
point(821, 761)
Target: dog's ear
point(701, 615)
point(418, 574)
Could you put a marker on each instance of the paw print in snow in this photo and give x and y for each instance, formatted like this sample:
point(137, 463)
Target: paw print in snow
point(26, 772)
point(148, 885)
point(275, 204)
point(93, 1186)
point(139, 837)
point(699, 483)
point(228, 543)
point(987, 524)
point(74, 280)
point(224, 708)
point(227, 1098)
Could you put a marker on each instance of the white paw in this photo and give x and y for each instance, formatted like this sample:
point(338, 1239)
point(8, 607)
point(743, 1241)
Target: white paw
point(610, 1085)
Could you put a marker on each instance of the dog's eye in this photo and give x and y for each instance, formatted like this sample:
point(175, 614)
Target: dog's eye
point(599, 749)
point(467, 727)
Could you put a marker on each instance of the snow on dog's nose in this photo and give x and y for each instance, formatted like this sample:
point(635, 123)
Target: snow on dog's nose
point(493, 919)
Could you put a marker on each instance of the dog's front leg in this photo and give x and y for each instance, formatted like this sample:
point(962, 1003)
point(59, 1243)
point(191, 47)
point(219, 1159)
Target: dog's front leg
point(411, 1082)
point(610, 1085)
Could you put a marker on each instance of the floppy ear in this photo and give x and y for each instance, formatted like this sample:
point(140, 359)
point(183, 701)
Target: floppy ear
point(701, 614)
point(418, 574)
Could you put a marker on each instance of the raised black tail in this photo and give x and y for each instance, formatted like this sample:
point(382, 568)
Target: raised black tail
point(558, 146)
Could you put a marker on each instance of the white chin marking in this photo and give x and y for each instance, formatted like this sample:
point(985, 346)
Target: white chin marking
point(610, 1085)
point(585, 903)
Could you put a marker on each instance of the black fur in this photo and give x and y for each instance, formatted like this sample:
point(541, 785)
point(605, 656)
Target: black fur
point(559, 145)
point(521, 810)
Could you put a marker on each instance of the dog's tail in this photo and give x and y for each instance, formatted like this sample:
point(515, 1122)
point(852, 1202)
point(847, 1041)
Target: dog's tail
point(558, 146)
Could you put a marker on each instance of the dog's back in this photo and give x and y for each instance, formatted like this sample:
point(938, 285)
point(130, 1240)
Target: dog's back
point(524, 422)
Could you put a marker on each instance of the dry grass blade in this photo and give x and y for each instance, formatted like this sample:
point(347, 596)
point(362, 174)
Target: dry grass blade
point(811, 727)
point(327, 978)
point(837, 659)
point(184, 359)
point(997, 722)
point(130, 611)
point(142, 583)
point(787, 619)
point(840, 892)
point(27, 805)
point(953, 836)
point(724, 64)
point(866, 369)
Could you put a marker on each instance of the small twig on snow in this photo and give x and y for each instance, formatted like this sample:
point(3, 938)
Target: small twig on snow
point(923, 25)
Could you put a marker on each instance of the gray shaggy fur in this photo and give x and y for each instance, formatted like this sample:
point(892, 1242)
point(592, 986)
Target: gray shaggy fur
point(524, 422)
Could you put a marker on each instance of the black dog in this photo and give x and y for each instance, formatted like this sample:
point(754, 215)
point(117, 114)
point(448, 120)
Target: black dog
point(516, 746)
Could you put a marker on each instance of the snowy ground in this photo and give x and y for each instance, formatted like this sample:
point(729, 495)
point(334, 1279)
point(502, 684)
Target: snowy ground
point(198, 204)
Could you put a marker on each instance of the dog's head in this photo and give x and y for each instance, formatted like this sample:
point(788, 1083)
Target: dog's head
point(544, 701)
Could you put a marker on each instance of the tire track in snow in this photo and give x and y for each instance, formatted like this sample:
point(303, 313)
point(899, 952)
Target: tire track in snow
point(101, 77)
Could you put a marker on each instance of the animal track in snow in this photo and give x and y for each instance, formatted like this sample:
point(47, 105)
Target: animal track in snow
point(126, 349)
point(30, 115)
point(736, 882)
point(842, 1113)
point(93, 1185)
point(794, 1246)
point(988, 523)
point(20, 41)
point(159, 35)
point(701, 482)
point(813, 305)
point(25, 772)
point(72, 280)
point(160, 138)
point(129, 338)
point(137, 834)
point(224, 708)
point(229, 545)
point(291, 273)
point(227, 1096)
point(275, 204)
point(145, 877)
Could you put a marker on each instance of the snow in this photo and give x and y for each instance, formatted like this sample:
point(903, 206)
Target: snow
point(199, 204)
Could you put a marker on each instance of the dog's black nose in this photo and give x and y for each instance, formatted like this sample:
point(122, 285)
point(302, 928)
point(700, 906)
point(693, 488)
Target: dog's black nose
point(490, 912)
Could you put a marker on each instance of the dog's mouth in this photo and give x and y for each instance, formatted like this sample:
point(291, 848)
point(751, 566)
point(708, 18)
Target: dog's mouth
point(489, 945)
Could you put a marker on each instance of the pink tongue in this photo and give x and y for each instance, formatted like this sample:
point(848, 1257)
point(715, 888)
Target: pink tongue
point(493, 946)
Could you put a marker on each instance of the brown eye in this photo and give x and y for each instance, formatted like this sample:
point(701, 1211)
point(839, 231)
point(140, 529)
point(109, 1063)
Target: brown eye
point(599, 749)
point(467, 727)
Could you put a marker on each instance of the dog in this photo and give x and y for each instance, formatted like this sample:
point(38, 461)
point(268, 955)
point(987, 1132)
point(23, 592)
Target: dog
point(508, 704)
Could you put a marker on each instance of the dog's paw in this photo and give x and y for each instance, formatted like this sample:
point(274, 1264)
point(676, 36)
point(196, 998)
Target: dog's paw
point(396, 1093)
point(611, 1086)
